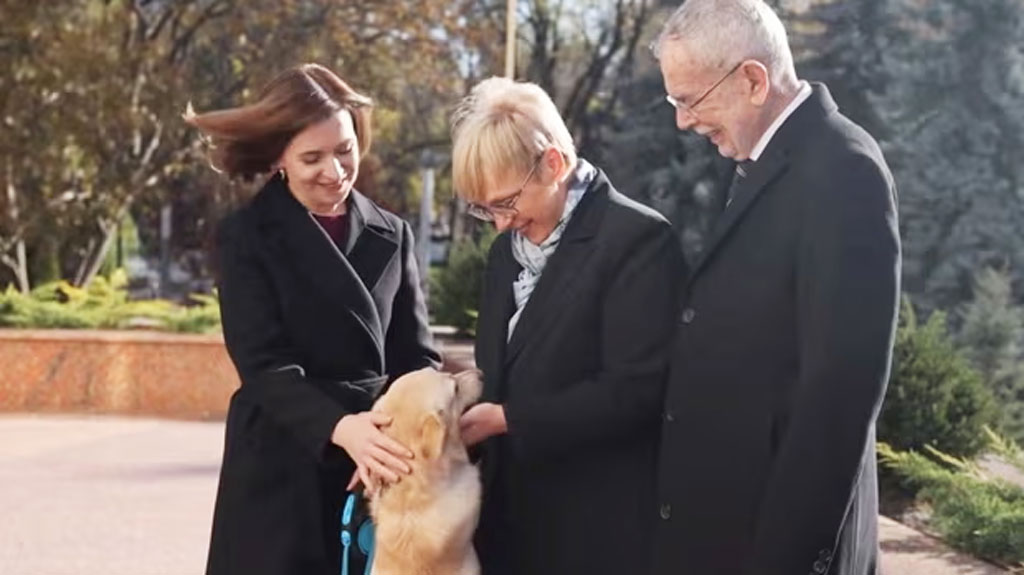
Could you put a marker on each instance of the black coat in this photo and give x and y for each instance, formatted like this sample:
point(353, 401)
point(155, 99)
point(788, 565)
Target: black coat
point(780, 363)
point(569, 489)
point(315, 335)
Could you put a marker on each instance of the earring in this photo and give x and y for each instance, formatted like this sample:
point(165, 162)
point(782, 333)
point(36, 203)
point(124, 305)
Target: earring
point(283, 174)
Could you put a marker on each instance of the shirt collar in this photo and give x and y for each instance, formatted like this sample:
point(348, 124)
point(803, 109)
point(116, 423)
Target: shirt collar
point(802, 94)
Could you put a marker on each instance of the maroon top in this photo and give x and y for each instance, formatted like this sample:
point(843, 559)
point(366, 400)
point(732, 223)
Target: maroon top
point(336, 227)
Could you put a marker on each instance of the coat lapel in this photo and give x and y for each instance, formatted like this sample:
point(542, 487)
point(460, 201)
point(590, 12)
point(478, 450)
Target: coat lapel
point(373, 242)
point(492, 332)
point(760, 174)
point(292, 232)
point(772, 163)
point(559, 280)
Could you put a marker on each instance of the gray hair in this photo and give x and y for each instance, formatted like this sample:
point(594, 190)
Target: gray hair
point(722, 33)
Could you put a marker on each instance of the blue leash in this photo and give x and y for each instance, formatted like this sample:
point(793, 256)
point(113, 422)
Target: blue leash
point(363, 536)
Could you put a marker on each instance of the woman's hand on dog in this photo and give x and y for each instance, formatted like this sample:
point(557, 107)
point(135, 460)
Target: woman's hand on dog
point(482, 421)
point(376, 455)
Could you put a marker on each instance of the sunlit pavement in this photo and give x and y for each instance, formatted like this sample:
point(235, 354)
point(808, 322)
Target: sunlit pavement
point(121, 496)
point(106, 495)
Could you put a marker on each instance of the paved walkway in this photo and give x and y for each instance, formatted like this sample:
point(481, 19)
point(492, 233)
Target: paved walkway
point(909, 552)
point(121, 496)
point(106, 496)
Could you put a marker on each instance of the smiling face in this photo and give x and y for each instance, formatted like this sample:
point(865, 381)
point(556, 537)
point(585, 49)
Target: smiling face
point(716, 103)
point(539, 197)
point(322, 162)
point(512, 156)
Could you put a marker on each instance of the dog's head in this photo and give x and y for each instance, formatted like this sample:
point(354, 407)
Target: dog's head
point(425, 407)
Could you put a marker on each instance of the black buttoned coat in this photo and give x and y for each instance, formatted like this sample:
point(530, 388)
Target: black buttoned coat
point(780, 363)
point(569, 489)
point(315, 331)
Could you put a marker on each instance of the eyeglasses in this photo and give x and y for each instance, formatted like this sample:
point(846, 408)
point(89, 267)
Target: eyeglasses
point(504, 207)
point(691, 108)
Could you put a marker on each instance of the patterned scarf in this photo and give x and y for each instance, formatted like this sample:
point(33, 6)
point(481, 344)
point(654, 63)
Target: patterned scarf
point(532, 257)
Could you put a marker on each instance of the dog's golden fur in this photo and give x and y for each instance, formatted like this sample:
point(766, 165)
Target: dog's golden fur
point(425, 521)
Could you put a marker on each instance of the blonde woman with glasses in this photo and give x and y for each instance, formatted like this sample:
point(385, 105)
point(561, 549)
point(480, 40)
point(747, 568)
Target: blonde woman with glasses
point(575, 324)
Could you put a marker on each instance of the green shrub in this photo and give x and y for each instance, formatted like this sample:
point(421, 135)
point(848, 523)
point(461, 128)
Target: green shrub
point(972, 511)
point(1006, 448)
point(456, 288)
point(104, 304)
point(204, 317)
point(991, 337)
point(934, 398)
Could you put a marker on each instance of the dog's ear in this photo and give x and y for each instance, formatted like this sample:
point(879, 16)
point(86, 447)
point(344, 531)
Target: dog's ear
point(433, 434)
point(468, 386)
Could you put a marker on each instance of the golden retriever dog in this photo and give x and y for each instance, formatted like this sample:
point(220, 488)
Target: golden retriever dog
point(425, 522)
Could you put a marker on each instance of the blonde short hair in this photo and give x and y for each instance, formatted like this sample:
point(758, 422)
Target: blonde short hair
point(501, 128)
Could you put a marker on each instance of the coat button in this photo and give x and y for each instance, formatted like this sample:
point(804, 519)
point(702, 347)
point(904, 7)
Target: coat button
point(669, 417)
point(819, 567)
point(825, 554)
point(688, 315)
point(666, 511)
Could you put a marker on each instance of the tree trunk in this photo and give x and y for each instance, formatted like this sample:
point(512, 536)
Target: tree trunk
point(83, 265)
point(94, 258)
point(144, 151)
point(18, 263)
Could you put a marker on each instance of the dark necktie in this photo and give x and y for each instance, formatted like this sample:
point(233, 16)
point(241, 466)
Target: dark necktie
point(737, 176)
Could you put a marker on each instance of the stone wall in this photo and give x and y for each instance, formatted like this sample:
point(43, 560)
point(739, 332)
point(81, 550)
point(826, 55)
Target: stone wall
point(128, 372)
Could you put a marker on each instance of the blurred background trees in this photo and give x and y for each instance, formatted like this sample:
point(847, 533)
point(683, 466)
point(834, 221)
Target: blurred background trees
point(98, 171)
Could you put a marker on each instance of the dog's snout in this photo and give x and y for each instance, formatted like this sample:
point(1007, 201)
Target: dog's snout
point(468, 386)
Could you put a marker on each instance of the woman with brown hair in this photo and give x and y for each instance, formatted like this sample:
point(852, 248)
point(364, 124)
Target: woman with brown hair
point(321, 307)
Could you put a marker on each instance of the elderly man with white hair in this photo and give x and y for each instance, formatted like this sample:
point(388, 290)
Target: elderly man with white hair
point(784, 341)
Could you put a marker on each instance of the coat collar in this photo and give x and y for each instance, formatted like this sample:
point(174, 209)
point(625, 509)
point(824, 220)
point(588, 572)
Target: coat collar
point(772, 163)
point(366, 216)
point(344, 279)
point(373, 240)
point(560, 278)
point(497, 308)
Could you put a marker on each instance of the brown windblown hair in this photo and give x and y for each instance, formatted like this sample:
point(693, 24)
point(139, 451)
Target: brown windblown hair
point(247, 140)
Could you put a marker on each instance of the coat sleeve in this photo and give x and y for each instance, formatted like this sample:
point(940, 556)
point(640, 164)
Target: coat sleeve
point(409, 345)
point(638, 317)
point(847, 295)
point(270, 368)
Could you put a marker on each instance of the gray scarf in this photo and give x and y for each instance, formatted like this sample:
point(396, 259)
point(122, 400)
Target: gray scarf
point(532, 257)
